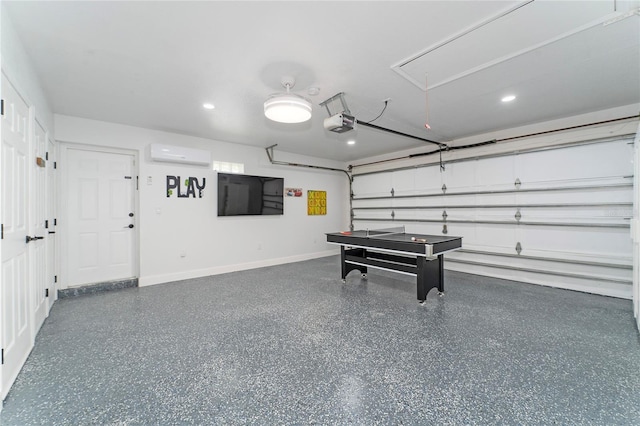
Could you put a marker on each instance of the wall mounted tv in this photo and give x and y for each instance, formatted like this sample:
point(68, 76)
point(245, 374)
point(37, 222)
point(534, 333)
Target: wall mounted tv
point(242, 195)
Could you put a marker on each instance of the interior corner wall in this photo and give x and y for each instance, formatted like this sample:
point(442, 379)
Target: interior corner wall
point(181, 238)
point(17, 67)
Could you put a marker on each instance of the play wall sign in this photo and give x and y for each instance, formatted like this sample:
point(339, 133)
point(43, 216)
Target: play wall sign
point(186, 189)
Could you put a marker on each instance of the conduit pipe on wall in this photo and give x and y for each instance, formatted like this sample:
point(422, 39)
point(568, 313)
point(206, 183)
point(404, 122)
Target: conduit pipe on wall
point(269, 151)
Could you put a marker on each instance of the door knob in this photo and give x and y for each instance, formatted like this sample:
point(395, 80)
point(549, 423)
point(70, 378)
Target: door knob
point(129, 226)
point(28, 238)
point(130, 214)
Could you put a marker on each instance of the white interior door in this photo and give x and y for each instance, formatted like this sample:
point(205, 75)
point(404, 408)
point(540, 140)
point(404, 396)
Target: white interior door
point(37, 230)
point(51, 194)
point(14, 295)
point(101, 218)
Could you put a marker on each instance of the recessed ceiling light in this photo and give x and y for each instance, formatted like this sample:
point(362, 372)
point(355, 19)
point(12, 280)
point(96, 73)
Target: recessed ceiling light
point(508, 98)
point(208, 106)
point(351, 142)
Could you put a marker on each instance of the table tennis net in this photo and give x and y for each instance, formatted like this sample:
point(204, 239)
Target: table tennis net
point(381, 233)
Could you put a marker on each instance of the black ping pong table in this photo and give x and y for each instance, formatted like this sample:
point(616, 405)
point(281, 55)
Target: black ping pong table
point(394, 249)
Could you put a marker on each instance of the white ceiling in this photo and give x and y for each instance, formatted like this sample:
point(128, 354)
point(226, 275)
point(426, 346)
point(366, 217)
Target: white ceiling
point(153, 64)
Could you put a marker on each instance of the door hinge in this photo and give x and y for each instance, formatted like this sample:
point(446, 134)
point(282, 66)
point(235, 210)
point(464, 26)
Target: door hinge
point(127, 177)
point(55, 165)
point(2, 231)
point(2, 356)
point(55, 278)
point(46, 156)
point(46, 224)
point(137, 180)
point(46, 292)
point(2, 107)
point(55, 222)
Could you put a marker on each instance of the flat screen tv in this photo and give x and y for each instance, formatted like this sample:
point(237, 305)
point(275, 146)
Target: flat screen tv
point(244, 195)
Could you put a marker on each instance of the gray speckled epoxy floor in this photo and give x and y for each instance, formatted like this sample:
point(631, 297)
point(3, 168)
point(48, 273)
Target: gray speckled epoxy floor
point(291, 344)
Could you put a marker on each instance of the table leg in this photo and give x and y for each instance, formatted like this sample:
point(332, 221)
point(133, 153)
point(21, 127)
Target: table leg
point(345, 267)
point(441, 273)
point(429, 275)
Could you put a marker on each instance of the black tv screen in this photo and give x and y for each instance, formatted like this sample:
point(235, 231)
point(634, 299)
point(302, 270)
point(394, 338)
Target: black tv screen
point(240, 195)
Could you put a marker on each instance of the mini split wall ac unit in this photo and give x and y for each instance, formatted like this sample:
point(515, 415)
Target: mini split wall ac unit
point(179, 154)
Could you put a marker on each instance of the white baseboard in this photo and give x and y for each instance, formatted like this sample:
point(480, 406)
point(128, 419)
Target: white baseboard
point(185, 275)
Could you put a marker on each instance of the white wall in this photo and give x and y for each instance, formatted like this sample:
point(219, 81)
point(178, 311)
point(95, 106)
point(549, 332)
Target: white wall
point(170, 226)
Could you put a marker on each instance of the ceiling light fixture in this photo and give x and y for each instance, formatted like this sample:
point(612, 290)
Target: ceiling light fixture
point(351, 142)
point(208, 106)
point(287, 107)
point(508, 98)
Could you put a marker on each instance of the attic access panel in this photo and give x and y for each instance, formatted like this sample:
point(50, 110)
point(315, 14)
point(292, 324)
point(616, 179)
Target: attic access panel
point(500, 38)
